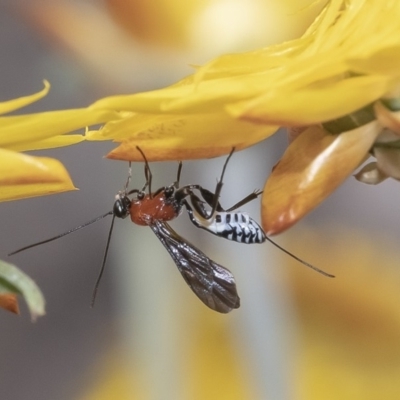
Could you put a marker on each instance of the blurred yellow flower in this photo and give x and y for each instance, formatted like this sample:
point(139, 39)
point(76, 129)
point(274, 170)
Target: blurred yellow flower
point(345, 336)
point(22, 175)
point(339, 82)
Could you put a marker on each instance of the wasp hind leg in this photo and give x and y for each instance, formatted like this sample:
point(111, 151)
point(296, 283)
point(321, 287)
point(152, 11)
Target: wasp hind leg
point(209, 197)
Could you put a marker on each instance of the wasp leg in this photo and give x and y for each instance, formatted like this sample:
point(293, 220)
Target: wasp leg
point(218, 188)
point(191, 215)
point(147, 171)
point(209, 197)
point(247, 199)
point(198, 205)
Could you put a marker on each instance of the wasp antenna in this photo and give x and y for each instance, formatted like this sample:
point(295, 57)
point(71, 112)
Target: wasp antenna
point(96, 286)
point(61, 235)
point(300, 260)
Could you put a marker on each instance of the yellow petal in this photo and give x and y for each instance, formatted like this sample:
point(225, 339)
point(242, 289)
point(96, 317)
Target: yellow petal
point(312, 105)
point(187, 137)
point(130, 124)
point(147, 102)
point(17, 130)
point(187, 97)
point(15, 104)
point(385, 61)
point(51, 143)
point(313, 166)
point(23, 176)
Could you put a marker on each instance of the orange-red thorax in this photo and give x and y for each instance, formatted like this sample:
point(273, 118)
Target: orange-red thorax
point(148, 210)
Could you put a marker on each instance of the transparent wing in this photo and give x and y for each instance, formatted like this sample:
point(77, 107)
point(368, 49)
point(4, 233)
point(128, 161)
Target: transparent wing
point(213, 284)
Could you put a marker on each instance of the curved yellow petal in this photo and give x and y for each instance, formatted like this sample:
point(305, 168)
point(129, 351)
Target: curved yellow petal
point(313, 166)
point(23, 176)
point(187, 137)
point(17, 130)
point(15, 104)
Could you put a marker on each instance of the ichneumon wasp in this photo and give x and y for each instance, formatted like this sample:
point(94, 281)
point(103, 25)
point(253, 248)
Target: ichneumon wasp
point(212, 283)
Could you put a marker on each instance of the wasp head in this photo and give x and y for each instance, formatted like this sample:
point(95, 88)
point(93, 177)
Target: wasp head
point(121, 206)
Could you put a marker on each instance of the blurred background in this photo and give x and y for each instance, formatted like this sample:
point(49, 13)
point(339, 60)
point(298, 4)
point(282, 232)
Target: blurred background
point(297, 335)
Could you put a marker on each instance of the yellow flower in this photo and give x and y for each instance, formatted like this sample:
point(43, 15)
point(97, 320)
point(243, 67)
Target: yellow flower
point(339, 82)
point(22, 175)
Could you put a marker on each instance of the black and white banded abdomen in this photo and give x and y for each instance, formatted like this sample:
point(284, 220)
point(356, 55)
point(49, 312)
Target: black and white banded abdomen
point(236, 226)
